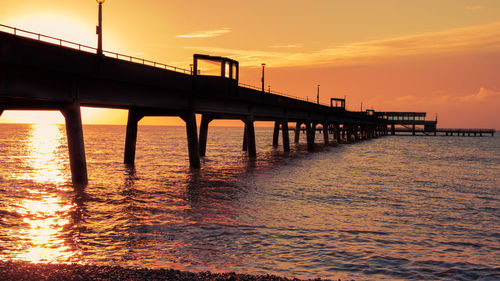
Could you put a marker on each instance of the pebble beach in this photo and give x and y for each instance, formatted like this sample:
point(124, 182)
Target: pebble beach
point(25, 271)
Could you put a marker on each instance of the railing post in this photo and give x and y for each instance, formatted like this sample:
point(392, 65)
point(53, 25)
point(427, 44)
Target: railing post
point(131, 136)
point(76, 147)
point(205, 120)
point(286, 137)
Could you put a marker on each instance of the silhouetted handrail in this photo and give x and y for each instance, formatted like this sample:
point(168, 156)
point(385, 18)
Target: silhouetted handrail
point(88, 49)
point(84, 48)
point(278, 93)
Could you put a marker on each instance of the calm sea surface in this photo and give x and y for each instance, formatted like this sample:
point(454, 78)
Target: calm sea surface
point(389, 208)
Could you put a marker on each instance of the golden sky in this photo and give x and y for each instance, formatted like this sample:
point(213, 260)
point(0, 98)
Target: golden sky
point(436, 56)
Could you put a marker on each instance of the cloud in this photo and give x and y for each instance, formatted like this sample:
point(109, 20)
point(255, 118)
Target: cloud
point(476, 38)
point(290, 46)
point(481, 96)
point(205, 34)
point(474, 7)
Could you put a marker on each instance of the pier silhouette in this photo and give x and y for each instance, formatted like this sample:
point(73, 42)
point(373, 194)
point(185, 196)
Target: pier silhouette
point(39, 72)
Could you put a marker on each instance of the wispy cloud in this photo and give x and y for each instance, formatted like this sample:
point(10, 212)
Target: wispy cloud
point(289, 46)
point(474, 7)
point(205, 34)
point(481, 96)
point(477, 38)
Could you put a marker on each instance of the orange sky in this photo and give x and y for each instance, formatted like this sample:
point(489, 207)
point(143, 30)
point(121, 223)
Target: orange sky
point(436, 56)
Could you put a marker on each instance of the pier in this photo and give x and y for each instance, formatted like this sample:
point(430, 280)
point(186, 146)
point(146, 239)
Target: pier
point(39, 72)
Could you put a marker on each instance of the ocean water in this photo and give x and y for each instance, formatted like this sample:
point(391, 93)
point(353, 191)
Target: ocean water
point(389, 208)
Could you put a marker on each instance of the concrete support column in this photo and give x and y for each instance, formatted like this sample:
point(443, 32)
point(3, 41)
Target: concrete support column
point(393, 129)
point(1, 111)
point(276, 133)
point(250, 136)
point(314, 131)
point(297, 132)
point(310, 132)
point(76, 146)
point(344, 132)
point(325, 133)
point(355, 132)
point(286, 136)
point(337, 132)
point(413, 129)
point(245, 146)
point(350, 128)
point(131, 136)
point(192, 139)
point(205, 120)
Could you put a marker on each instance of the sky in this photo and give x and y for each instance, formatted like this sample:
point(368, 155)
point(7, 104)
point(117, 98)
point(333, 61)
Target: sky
point(437, 56)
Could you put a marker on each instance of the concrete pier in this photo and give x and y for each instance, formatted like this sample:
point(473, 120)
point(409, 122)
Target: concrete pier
point(76, 147)
point(131, 136)
point(192, 139)
point(148, 88)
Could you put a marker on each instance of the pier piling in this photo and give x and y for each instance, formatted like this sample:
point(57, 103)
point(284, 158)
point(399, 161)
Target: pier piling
point(250, 136)
point(76, 147)
point(325, 133)
point(285, 133)
point(131, 136)
point(310, 132)
point(245, 130)
point(205, 120)
point(297, 132)
point(276, 133)
point(192, 138)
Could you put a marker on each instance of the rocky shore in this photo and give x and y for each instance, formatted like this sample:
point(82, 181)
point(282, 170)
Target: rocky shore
point(28, 271)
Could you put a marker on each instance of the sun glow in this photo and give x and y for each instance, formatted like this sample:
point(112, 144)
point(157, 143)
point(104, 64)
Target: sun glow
point(42, 164)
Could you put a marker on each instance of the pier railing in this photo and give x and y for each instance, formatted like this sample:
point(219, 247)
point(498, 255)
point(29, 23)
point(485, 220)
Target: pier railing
point(93, 50)
point(88, 49)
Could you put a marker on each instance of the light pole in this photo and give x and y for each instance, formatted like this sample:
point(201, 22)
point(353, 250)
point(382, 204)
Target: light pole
point(99, 29)
point(263, 66)
point(317, 96)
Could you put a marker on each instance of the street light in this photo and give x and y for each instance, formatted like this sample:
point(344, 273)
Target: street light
point(99, 29)
point(263, 66)
point(317, 96)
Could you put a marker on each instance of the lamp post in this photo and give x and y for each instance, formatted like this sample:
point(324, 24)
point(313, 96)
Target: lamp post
point(263, 66)
point(317, 96)
point(99, 29)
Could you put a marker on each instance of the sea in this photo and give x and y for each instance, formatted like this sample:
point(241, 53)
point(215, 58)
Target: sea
point(391, 208)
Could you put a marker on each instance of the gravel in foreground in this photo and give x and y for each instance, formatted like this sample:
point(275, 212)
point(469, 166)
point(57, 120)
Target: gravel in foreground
point(20, 270)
